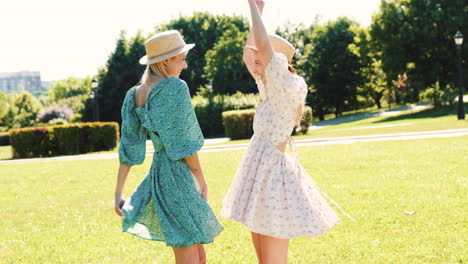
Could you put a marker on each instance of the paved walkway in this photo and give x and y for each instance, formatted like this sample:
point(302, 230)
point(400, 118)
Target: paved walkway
point(356, 117)
point(304, 142)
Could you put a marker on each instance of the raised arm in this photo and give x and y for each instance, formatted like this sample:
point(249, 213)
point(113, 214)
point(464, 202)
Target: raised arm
point(249, 57)
point(262, 41)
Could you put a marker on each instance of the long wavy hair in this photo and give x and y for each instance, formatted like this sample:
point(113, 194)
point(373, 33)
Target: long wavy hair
point(153, 74)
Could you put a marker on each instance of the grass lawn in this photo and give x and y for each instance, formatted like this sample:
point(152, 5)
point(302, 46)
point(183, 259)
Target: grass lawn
point(62, 212)
point(439, 118)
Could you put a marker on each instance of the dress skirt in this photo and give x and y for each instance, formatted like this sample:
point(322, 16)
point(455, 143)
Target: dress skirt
point(273, 195)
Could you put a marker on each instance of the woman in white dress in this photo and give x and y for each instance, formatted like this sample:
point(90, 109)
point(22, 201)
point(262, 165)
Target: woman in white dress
point(271, 193)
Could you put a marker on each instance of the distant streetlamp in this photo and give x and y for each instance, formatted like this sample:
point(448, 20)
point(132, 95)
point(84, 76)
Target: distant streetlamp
point(459, 42)
point(94, 96)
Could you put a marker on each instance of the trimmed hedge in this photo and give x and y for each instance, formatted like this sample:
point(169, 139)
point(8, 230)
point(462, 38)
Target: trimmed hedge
point(209, 109)
point(4, 139)
point(70, 139)
point(238, 124)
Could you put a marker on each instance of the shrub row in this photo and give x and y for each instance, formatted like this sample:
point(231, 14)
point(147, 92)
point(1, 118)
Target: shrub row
point(209, 109)
point(76, 138)
point(238, 124)
point(4, 139)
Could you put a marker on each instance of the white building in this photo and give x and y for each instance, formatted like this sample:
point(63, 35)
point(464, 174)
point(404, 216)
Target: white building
point(27, 80)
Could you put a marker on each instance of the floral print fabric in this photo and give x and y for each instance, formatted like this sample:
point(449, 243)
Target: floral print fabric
point(271, 193)
point(166, 205)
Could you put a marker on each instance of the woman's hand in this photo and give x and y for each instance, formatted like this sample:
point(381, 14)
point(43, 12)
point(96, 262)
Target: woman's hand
point(260, 5)
point(119, 202)
point(203, 191)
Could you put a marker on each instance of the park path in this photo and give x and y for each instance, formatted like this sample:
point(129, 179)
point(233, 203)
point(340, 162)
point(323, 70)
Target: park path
point(303, 142)
point(356, 117)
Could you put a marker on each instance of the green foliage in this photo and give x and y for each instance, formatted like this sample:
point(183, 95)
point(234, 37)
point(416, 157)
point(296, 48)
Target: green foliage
point(122, 71)
point(3, 105)
point(203, 29)
point(4, 139)
point(31, 142)
point(70, 87)
point(238, 124)
point(69, 139)
point(225, 68)
point(416, 37)
point(209, 109)
point(23, 110)
point(439, 96)
point(332, 68)
point(306, 121)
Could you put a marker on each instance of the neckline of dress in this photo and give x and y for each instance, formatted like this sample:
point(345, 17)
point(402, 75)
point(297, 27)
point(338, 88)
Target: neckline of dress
point(147, 96)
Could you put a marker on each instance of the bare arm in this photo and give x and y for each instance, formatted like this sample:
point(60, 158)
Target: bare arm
point(249, 53)
point(194, 164)
point(121, 178)
point(262, 42)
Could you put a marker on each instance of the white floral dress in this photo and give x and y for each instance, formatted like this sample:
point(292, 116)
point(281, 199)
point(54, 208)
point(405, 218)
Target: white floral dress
point(271, 193)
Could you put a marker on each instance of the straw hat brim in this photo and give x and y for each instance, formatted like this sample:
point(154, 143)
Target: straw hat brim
point(144, 60)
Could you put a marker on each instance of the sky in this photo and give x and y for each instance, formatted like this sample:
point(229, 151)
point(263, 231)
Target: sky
point(62, 38)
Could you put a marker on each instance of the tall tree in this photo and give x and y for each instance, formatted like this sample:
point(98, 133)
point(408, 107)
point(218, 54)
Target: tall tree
point(225, 68)
point(416, 37)
point(114, 81)
point(331, 68)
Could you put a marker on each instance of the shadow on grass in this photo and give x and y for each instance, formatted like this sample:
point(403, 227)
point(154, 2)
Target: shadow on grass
point(438, 111)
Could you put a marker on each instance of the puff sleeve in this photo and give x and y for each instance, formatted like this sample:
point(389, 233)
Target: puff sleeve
point(285, 89)
point(132, 146)
point(173, 118)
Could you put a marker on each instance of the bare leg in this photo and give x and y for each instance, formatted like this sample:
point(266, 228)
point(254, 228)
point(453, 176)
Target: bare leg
point(201, 254)
point(274, 250)
point(186, 255)
point(258, 246)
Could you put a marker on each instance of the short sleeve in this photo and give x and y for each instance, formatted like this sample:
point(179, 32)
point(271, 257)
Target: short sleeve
point(275, 74)
point(173, 118)
point(132, 146)
point(281, 83)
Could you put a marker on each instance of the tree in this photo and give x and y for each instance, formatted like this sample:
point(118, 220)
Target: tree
point(69, 88)
point(3, 105)
point(416, 37)
point(374, 79)
point(114, 81)
point(332, 68)
point(24, 110)
point(225, 68)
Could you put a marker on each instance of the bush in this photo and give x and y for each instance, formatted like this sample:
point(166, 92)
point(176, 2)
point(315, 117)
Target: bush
point(439, 96)
point(67, 138)
point(70, 139)
point(238, 124)
point(54, 112)
point(4, 139)
point(98, 136)
point(209, 109)
point(306, 120)
point(31, 142)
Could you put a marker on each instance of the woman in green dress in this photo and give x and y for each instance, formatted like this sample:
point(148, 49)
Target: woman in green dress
point(170, 204)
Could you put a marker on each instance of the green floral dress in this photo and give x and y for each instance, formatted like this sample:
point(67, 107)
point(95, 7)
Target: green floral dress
point(166, 205)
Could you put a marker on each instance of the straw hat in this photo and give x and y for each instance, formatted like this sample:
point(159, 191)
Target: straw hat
point(280, 45)
point(163, 46)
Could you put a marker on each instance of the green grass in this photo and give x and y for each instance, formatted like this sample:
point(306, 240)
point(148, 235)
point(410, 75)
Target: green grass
point(5, 152)
point(440, 118)
point(62, 212)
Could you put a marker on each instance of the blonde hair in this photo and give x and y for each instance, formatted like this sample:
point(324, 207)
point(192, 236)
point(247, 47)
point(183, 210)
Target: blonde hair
point(154, 73)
